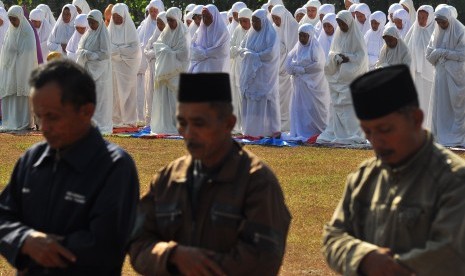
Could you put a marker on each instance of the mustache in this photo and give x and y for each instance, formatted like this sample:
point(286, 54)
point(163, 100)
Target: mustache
point(384, 153)
point(193, 145)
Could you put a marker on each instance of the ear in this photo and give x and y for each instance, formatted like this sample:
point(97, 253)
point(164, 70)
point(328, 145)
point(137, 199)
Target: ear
point(231, 122)
point(418, 118)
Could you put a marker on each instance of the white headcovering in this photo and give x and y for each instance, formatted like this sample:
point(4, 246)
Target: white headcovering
point(125, 33)
point(324, 39)
point(37, 15)
point(397, 55)
point(393, 8)
point(350, 43)
point(187, 17)
point(45, 29)
point(354, 1)
point(309, 53)
point(374, 39)
point(300, 11)
point(245, 13)
point(158, 4)
point(353, 7)
point(326, 8)
point(168, 65)
point(312, 3)
point(411, 9)
point(264, 40)
point(81, 21)
point(62, 31)
point(236, 7)
point(214, 35)
point(363, 8)
point(198, 9)
point(48, 14)
point(405, 17)
point(417, 40)
point(4, 27)
point(94, 40)
point(1, 5)
point(451, 37)
point(275, 2)
point(83, 5)
point(287, 32)
point(224, 16)
point(189, 8)
point(19, 52)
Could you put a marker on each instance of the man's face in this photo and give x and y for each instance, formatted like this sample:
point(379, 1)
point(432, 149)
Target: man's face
point(311, 12)
point(374, 25)
point(443, 24)
point(391, 41)
point(256, 23)
point(153, 13)
point(207, 17)
point(245, 23)
point(62, 124)
point(360, 17)
point(422, 18)
point(197, 19)
point(117, 19)
point(36, 23)
point(276, 20)
point(394, 137)
point(205, 134)
point(66, 15)
point(329, 29)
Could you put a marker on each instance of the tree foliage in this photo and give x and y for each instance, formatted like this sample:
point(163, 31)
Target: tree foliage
point(137, 7)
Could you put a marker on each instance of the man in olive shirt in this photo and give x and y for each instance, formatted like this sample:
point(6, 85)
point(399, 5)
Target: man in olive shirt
point(402, 213)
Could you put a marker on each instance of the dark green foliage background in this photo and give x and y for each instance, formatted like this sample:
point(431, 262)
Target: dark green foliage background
point(137, 6)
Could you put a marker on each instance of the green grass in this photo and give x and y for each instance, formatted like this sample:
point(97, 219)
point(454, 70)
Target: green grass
point(312, 181)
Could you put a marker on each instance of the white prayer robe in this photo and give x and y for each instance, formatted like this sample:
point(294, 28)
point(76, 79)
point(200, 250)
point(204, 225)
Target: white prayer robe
point(343, 126)
point(394, 56)
point(392, 8)
point(62, 31)
point(172, 52)
point(417, 40)
point(446, 51)
point(83, 5)
point(43, 32)
point(288, 35)
point(72, 47)
point(48, 14)
point(314, 21)
point(4, 27)
point(406, 24)
point(210, 46)
point(17, 60)
point(259, 79)
point(310, 101)
point(365, 10)
point(236, 64)
point(322, 11)
point(324, 39)
point(94, 55)
point(374, 39)
point(125, 59)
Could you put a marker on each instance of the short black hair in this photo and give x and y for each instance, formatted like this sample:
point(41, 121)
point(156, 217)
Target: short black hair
point(223, 109)
point(77, 86)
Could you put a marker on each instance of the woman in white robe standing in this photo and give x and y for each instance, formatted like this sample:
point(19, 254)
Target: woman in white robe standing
point(410, 8)
point(94, 55)
point(392, 9)
point(327, 34)
point(417, 40)
point(151, 56)
point(236, 7)
point(299, 14)
point(374, 37)
point(43, 28)
point(245, 17)
point(196, 20)
point(81, 26)
point(347, 60)
point(17, 60)
point(310, 100)
point(287, 29)
point(402, 22)
point(362, 14)
point(446, 51)
point(63, 30)
point(259, 78)
point(172, 51)
point(4, 24)
point(209, 51)
point(322, 11)
point(125, 60)
point(394, 51)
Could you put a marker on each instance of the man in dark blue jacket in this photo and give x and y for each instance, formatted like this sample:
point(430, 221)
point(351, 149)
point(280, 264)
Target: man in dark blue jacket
point(70, 204)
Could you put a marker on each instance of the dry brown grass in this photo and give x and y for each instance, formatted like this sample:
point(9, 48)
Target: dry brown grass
point(312, 180)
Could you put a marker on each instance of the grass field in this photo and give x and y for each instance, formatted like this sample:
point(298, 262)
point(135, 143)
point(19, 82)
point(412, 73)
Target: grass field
point(312, 180)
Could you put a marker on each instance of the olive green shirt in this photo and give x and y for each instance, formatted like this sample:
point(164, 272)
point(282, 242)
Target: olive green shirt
point(417, 210)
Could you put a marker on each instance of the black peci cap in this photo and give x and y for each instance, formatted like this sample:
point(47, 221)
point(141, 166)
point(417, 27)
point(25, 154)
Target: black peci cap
point(383, 91)
point(204, 87)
